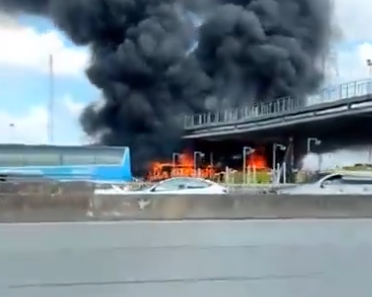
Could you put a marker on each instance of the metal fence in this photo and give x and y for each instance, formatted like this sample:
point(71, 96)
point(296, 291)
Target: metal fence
point(55, 189)
point(30, 193)
point(280, 106)
point(237, 182)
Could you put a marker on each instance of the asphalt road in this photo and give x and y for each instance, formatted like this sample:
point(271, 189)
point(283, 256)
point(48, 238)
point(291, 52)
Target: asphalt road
point(272, 258)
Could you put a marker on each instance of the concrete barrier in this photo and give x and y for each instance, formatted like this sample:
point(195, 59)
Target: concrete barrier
point(231, 207)
point(83, 206)
point(41, 201)
point(35, 208)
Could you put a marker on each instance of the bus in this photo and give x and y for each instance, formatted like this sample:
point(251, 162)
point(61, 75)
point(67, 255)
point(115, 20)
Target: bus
point(67, 163)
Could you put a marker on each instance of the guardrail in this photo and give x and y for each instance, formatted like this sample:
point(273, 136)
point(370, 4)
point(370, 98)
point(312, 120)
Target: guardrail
point(280, 106)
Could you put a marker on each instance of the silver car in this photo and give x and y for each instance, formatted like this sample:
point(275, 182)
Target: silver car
point(346, 183)
point(175, 185)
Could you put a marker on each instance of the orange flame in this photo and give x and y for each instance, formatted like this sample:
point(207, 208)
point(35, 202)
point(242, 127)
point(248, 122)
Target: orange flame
point(257, 160)
point(185, 166)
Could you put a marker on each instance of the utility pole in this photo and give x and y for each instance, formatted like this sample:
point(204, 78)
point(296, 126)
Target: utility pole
point(247, 150)
point(51, 100)
point(315, 141)
point(12, 132)
point(369, 65)
point(197, 154)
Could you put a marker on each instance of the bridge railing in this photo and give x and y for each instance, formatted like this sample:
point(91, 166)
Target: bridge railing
point(279, 106)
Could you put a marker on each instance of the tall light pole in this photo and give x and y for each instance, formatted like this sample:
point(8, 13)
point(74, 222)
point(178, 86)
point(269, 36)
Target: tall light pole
point(277, 146)
point(247, 150)
point(51, 100)
point(369, 65)
point(12, 132)
point(314, 141)
point(196, 155)
point(174, 158)
point(174, 161)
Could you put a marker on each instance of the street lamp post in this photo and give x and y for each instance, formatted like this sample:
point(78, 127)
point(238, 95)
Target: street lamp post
point(12, 132)
point(247, 150)
point(314, 141)
point(369, 65)
point(196, 155)
point(277, 146)
point(174, 161)
point(51, 100)
point(174, 158)
point(281, 147)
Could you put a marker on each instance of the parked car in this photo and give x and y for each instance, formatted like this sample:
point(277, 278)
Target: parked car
point(124, 198)
point(174, 186)
point(345, 183)
point(110, 189)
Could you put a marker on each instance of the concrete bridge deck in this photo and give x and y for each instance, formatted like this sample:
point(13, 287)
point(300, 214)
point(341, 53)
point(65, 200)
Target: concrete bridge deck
point(342, 101)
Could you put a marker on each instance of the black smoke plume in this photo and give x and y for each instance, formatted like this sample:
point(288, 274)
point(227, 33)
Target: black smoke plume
point(252, 50)
point(265, 49)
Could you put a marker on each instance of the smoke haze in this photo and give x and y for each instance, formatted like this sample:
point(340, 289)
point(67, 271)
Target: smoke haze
point(150, 71)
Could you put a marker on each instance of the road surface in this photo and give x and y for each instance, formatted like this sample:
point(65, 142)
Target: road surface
point(272, 258)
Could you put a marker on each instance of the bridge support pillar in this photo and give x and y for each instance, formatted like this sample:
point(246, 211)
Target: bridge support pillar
point(296, 150)
point(289, 160)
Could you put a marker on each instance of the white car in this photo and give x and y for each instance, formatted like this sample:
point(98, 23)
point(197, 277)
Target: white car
point(174, 186)
point(111, 189)
point(346, 183)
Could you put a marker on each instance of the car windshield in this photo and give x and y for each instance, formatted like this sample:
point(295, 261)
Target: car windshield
point(175, 184)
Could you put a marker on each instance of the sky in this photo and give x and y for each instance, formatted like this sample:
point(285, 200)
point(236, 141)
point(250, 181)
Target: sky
point(27, 43)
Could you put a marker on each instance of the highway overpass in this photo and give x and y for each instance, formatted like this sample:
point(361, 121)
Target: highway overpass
point(334, 108)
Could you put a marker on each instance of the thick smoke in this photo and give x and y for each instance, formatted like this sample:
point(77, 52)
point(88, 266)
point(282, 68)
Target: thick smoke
point(265, 49)
point(252, 50)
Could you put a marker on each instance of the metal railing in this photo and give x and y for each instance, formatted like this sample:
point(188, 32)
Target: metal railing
point(280, 106)
point(48, 190)
point(55, 188)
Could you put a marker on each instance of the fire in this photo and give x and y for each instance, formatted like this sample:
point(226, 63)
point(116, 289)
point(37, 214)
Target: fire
point(257, 160)
point(185, 166)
